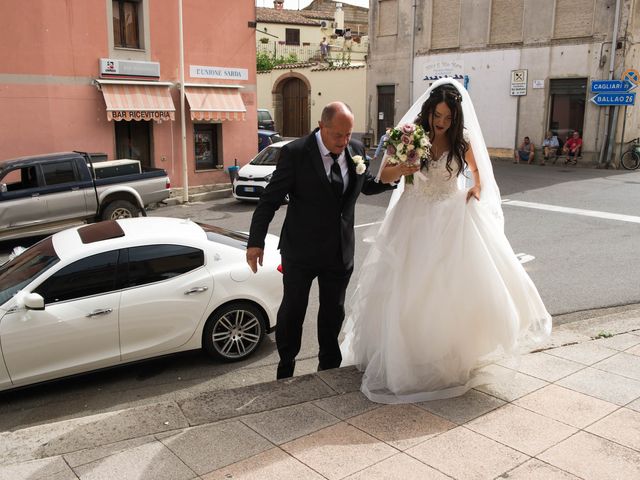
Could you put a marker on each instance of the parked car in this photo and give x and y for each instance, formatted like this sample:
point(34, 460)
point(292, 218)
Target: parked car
point(266, 138)
point(253, 178)
point(46, 193)
point(265, 120)
point(120, 291)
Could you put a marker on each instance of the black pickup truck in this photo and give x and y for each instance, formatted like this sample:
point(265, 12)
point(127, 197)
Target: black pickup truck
point(46, 193)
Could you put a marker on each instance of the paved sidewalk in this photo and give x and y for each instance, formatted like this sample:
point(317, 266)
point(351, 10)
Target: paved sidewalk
point(569, 411)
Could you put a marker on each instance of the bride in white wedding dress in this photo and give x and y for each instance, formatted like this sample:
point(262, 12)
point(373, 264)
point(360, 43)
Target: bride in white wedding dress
point(441, 294)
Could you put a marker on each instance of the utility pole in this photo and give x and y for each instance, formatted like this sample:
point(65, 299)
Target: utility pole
point(610, 133)
point(183, 125)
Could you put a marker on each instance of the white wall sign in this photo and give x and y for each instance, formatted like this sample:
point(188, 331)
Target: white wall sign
point(199, 71)
point(436, 70)
point(110, 67)
point(518, 82)
point(537, 83)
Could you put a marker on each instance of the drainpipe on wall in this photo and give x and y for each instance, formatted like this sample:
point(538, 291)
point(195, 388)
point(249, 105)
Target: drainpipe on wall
point(411, 53)
point(609, 137)
point(183, 126)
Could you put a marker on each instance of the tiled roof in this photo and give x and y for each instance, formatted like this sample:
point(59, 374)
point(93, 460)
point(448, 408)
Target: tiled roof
point(286, 66)
point(316, 14)
point(346, 67)
point(293, 17)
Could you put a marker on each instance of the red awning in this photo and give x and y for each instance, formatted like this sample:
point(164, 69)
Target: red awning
point(127, 101)
point(215, 103)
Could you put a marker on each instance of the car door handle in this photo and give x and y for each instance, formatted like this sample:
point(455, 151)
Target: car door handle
point(100, 311)
point(196, 290)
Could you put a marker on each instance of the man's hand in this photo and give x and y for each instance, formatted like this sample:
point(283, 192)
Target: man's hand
point(254, 257)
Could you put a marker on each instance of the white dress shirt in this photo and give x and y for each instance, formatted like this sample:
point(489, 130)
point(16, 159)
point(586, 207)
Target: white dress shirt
point(328, 161)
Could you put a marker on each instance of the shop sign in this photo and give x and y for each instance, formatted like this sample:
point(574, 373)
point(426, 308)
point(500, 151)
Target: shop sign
point(200, 71)
point(140, 115)
point(112, 68)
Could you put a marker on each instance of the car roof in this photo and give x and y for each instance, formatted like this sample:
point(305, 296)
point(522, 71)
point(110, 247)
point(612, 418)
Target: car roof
point(279, 144)
point(68, 243)
point(264, 131)
point(34, 159)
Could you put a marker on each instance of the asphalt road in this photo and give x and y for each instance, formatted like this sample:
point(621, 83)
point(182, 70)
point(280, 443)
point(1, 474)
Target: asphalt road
point(581, 256)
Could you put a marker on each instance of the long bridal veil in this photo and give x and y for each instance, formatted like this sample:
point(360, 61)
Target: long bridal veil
point(490, 194)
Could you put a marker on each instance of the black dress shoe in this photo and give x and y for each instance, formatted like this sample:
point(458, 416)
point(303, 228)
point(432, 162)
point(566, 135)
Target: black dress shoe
point(285, 369)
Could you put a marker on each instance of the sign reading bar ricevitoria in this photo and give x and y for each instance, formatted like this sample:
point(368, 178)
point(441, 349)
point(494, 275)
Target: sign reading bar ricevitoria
point(199, 71)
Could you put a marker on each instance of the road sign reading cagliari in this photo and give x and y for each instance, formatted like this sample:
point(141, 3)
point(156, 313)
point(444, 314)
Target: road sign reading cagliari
point(615, 92)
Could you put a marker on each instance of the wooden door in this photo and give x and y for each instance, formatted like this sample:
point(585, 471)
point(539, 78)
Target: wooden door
point(386, 104)
point(295, 108)
point(133, 140)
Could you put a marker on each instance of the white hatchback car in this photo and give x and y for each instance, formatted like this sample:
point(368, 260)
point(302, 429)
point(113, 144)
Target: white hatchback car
point(253, 178)
point(114, 292)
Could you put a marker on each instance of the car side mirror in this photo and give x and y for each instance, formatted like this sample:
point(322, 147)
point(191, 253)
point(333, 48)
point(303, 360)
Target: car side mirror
point(3, 187)
point(34, 301)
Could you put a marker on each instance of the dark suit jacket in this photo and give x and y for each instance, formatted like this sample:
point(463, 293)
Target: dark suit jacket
point(317, 225)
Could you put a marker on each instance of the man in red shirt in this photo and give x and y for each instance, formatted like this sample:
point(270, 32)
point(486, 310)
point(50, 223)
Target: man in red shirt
point(573, 148)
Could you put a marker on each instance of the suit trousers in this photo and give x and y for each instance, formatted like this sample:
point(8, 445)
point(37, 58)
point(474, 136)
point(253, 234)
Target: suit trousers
point(332, 285)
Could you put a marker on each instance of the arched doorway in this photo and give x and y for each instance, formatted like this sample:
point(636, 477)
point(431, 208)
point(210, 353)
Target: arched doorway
point(295, 108)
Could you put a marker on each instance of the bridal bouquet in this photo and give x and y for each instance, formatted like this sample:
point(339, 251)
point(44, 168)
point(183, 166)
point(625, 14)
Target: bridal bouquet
point(408, 143)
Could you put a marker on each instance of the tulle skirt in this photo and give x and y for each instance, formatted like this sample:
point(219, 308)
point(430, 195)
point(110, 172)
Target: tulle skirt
point(440, 296)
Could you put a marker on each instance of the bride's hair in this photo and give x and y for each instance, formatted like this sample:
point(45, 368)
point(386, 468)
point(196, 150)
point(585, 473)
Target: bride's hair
point(449, 95)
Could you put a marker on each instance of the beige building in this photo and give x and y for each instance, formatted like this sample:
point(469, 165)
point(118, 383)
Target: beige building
point(528, 64)
point(297, 90)
point(296, 94)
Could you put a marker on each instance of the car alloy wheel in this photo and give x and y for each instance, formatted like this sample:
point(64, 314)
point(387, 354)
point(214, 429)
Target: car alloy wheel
point(234, 331)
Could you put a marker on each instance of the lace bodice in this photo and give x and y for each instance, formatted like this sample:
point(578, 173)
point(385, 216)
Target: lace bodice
point(439, 185)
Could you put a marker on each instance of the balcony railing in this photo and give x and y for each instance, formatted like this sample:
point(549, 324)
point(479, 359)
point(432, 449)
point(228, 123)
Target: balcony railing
point(339, 52)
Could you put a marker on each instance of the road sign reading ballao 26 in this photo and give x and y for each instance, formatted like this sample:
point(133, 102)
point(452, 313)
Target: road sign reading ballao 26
point(613, 92)
point(604, 99)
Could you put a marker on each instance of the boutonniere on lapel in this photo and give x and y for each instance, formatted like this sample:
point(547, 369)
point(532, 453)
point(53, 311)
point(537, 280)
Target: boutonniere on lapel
point(358, 161)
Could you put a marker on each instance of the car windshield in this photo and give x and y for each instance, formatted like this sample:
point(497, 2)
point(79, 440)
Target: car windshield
point(269, 157)
point(20, 271)
point(224, 236)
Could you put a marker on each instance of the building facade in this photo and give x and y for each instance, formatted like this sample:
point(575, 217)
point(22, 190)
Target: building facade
point(297, 90)
point(296, 95)
point(527, 64)
point(104, 76)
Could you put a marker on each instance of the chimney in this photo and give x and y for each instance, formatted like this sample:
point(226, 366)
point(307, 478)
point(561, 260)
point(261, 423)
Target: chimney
point(278, 4)
point(339, 17)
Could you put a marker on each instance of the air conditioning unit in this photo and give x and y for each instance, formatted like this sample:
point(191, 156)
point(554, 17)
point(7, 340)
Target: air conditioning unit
point(324, 24)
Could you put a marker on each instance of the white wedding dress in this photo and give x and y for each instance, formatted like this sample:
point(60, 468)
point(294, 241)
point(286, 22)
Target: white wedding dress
point(440, 296)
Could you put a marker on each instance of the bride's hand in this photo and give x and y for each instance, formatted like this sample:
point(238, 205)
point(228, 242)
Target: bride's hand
point(474, 192)
point(393, 173)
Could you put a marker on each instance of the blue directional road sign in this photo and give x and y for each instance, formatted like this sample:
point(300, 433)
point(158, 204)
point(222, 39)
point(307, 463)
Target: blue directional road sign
point(611, 86)
point(604, 99)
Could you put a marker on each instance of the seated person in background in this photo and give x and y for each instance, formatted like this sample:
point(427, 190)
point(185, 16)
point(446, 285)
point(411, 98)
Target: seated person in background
point(525, 151)
point(550, 146)
point(573, 148)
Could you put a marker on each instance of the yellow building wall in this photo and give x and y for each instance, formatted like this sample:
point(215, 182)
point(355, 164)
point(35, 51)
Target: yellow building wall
point(327, 85)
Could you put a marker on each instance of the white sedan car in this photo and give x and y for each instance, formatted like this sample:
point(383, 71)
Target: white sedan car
point(253, 178)
point(115, 292)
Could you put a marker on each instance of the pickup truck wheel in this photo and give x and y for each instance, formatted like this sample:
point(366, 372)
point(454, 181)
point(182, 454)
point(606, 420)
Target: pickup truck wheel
point(120, 209)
